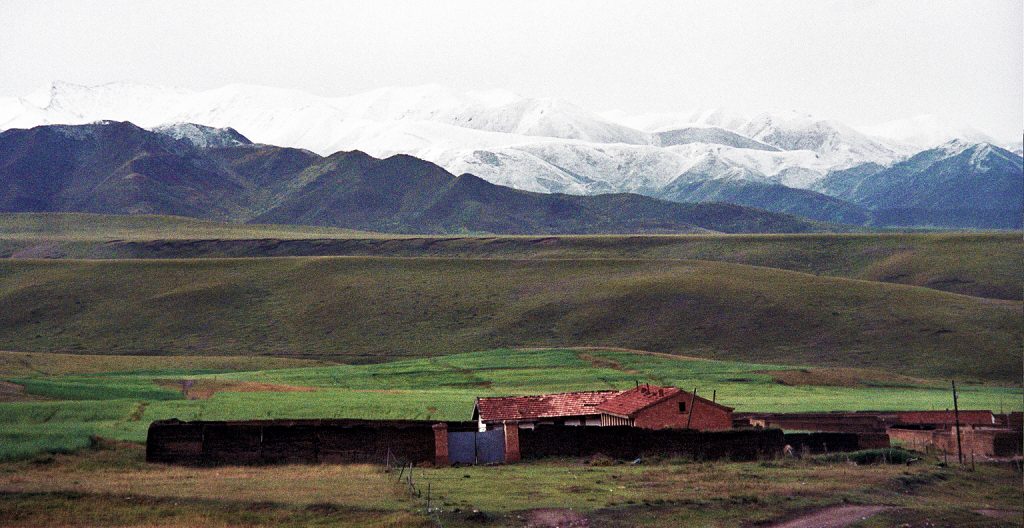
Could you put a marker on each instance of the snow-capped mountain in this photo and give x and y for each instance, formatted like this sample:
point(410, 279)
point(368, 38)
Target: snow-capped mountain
point(927, 131)
point(535, 144)
point(203, 136)
point(957, 184)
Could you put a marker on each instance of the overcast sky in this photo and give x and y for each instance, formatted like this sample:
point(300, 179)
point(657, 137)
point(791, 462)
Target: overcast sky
point(859, 62)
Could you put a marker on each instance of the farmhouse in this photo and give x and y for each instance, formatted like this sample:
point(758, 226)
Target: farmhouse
point(645, 406)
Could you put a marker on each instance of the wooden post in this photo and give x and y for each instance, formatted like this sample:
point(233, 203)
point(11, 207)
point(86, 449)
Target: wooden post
point(693, 398)
point(428, 497)
point(956, 418)
point(714, 395)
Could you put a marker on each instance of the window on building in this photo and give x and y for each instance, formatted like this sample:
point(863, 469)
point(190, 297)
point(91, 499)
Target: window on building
point(682, 407)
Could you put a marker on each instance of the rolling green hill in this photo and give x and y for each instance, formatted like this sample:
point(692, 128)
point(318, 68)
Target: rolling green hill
point(978, 264)
point(372, 309)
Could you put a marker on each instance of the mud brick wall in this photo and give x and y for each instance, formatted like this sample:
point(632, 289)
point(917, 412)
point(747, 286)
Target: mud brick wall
point(289, 442)
point(947, 418)
point(980, 442)
point(630, 443)
point(835, 442)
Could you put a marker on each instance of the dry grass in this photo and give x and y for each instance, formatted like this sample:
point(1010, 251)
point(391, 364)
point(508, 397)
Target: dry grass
point(204, 389)
point(56, 364)
point(120, 471)
point(844, 377)
point(111, 485)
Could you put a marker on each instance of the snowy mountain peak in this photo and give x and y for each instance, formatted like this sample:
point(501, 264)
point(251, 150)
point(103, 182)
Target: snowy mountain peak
point(203, 136)
point(926, 131)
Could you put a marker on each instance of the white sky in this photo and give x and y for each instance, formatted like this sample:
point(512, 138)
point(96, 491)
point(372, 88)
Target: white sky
point(859, 62)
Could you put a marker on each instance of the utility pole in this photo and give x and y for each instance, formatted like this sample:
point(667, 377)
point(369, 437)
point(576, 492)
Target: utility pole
point(956, 418)
point(693, 398)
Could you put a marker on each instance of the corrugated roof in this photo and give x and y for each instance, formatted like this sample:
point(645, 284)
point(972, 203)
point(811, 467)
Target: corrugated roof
point(542, 406)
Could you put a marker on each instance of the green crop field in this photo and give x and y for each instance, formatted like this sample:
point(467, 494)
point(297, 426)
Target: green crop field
point(60, 412)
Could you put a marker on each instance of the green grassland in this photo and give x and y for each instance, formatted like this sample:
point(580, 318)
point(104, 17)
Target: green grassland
point(121, 404)
point(979, 264)
point(99, 227)
point(373, 309)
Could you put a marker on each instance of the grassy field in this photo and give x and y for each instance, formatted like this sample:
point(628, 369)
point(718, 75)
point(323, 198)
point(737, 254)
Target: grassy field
point(111, 485)
point(369, 309)
point(59, 413)
point(979, 264)
point(88, 227)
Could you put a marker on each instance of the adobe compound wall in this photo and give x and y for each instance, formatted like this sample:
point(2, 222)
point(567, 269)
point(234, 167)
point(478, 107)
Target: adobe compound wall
point(980, 442)
point(815, 443)
point(630, 442)
point(289, 442)
point(864, 421)
point(420, 442)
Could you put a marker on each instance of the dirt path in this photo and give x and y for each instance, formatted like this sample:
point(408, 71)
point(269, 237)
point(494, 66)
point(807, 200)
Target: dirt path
point(834, 517)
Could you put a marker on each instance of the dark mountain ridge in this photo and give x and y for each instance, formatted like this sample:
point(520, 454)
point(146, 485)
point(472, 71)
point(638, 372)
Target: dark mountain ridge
point(119, 168)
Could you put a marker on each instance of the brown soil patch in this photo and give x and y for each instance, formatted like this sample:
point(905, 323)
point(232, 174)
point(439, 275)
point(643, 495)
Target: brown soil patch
point(843, 377)
point(607, 363)
point(12, 392)
point(834, 517)
point(554, 517)
point(1004, 515)
point(203, 389)
point(665, 355)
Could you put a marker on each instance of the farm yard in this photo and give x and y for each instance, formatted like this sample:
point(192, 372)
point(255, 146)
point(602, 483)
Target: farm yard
point(64, 410)
point(97, 411)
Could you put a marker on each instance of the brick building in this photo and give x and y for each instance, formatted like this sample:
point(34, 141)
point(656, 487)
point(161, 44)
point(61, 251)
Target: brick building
point(651, 407)
point(646, 406)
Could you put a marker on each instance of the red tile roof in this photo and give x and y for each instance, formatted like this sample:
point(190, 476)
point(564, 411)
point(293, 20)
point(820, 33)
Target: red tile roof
point(542, 406)
point(628, 403)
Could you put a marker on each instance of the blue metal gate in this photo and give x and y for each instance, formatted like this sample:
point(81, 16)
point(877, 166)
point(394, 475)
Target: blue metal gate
point(472, 447)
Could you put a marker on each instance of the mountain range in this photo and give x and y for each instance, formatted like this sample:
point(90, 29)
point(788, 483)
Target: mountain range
point(780, 161)
point(198, 171)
